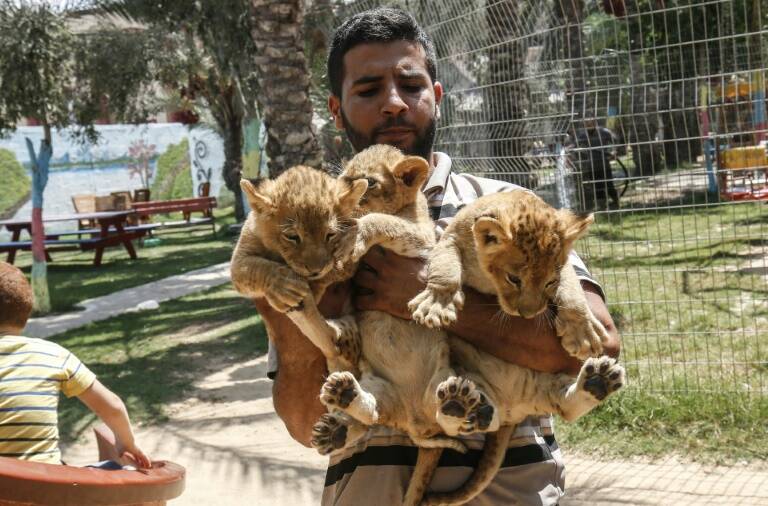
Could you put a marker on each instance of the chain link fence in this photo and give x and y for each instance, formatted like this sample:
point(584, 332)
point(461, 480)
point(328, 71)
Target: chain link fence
point(652, 114)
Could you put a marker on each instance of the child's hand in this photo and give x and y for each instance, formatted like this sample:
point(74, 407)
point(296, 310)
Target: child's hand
point(134, 454)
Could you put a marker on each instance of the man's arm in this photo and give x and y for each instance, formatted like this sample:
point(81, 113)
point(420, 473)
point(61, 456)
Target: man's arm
point(301, 366)
point(390, 281)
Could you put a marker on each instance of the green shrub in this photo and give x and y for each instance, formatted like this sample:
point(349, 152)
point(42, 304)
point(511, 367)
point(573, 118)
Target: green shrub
point(173, 177)
point(16, 184)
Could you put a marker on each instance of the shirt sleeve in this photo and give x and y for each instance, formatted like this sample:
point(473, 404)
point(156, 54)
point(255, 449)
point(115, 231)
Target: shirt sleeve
point(271, 361)
point(77, 377)
point(583, 274)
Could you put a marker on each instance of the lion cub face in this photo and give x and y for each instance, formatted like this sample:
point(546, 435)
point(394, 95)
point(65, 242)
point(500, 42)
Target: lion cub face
point(522, 250)
point(301, 215)
point(394, 179)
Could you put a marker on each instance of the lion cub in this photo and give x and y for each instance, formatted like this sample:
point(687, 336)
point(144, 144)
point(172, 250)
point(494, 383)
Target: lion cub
point(289, 244)
point(516, 246)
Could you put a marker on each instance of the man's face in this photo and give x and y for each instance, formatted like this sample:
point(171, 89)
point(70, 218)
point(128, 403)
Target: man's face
point(388, 98)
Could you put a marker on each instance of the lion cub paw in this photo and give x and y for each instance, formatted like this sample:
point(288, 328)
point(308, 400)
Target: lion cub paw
point(339, 390)
point(581, 335)
point(347, 339)
point(601, 377)
point(286, 290)
point(435, 308)
point(329, 433)
point(463, 407)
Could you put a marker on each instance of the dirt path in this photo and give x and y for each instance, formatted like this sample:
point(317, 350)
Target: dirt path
point(237, 453)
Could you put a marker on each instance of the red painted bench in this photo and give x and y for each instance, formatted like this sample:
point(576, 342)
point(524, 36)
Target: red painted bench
point(186, 207)
point(24, 483)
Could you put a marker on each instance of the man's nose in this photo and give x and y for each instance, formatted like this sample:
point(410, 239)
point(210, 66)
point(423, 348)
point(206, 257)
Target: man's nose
point(394, 104)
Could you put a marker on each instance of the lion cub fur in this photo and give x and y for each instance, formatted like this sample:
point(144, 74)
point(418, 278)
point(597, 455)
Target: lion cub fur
point(288, 244)
point(515, 246)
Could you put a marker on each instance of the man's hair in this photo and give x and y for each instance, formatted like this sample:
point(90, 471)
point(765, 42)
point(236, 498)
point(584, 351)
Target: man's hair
point(15, 297)
point(380, 25)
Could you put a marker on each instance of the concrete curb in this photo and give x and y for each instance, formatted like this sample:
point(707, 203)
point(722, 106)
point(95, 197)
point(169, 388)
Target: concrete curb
point(126, 300)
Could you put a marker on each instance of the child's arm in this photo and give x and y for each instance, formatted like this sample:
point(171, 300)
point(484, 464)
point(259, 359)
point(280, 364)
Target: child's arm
point(110, 408)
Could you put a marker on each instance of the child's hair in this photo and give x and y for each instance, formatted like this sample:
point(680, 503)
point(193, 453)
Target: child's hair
point(15, 297)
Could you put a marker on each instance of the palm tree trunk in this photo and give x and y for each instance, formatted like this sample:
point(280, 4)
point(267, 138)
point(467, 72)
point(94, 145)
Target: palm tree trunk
point(283, 76)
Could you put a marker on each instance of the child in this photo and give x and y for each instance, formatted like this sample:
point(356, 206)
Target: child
point(33, 372)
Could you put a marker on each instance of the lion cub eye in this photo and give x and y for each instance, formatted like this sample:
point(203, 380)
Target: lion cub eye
point(513, 280)
point(372, 183)
point(329, 236)
point(294, 238)
point(551, 284)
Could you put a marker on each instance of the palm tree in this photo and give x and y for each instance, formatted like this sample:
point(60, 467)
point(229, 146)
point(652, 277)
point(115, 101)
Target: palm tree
point(284, 84)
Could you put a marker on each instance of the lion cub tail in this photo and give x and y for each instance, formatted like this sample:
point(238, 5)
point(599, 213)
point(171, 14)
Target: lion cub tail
point(426, 463)
point(496, 444)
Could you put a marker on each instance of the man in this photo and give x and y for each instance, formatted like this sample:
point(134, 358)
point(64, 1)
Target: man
point(381, 68)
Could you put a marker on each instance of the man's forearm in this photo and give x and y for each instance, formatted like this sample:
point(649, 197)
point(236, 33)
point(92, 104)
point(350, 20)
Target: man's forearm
point(530, 343)
point(301, 372)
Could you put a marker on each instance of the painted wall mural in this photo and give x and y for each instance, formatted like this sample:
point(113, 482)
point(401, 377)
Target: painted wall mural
point(170, 159)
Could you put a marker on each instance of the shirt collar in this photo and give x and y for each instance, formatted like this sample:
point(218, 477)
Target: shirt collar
point(438, 180)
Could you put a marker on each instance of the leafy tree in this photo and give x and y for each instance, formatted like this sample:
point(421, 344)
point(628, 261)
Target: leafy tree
point(41, 79)
point(204, 58)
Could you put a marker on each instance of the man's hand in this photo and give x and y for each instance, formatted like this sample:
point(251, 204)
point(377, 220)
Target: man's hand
point(386, 282)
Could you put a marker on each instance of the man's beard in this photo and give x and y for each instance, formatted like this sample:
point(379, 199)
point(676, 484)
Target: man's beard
point(422, 143)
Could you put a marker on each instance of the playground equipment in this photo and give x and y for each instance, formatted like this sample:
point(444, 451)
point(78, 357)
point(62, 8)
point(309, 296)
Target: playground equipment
point(25, 483)
point(738, 144)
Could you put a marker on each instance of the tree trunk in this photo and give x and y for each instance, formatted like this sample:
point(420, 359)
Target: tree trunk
point(283, 76)
point(506, 100)
point(40, 162)
point(233, 162)
point(571, 12)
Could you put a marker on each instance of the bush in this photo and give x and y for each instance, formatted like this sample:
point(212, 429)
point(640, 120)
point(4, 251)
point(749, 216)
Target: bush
point(173, 177)
point(16, 183)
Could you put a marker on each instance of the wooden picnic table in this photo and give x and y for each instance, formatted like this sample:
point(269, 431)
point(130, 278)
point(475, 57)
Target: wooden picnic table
point(111, 231)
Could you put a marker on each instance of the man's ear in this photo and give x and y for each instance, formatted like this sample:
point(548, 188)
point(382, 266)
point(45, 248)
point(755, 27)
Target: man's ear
point(259, 201)
point(412, 171)
point(438, 89)
point(334, 107)
point(489, 233)
point(350, 194)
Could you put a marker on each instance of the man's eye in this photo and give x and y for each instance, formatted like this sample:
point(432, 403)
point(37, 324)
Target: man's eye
point(412, 88)
point(367, 93)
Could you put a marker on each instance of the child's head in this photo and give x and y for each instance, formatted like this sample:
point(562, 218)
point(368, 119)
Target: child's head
point(15, 299)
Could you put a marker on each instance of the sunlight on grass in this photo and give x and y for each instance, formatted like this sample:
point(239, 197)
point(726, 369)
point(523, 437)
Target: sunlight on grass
point(150, 359)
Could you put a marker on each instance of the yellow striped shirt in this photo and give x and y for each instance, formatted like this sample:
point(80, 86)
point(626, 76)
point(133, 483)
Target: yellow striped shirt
point(32, 373)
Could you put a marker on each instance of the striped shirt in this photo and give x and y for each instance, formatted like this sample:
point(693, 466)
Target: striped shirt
point(32, 373)
point(376, 470)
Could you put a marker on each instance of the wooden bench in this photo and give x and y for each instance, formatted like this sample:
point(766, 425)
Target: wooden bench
point(186, 207)
point(98, 240)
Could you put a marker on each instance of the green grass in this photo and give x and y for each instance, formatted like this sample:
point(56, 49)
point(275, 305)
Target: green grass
point(151, 359)
point(711, 428)
point(72, 277)
point(688, 290)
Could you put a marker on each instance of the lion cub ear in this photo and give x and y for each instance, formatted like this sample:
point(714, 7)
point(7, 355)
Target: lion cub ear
point(576, 225)
point(349, 194)
point(258, 200)
point(412, 171)
point(489, 233)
